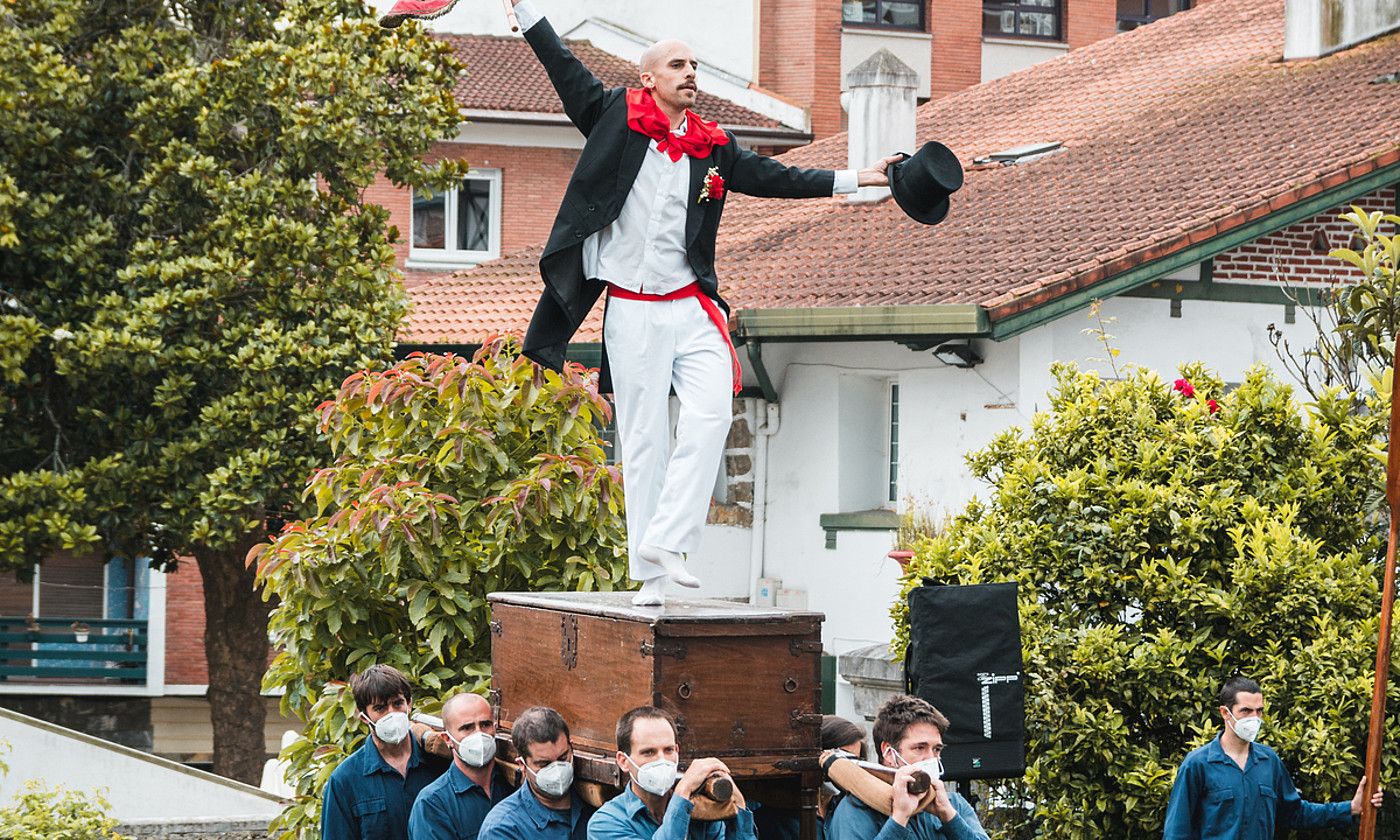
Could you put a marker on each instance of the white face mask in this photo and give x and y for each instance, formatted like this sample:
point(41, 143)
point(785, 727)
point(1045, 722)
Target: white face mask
point(475, 750)
point(932, 766)
point(392, 728)
point(656, 777)
point(555, 779)
point(1247, 728)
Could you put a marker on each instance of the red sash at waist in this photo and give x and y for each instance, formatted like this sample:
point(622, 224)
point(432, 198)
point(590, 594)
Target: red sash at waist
point(706, 302)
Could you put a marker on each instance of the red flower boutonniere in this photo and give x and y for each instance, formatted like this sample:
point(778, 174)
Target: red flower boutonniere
point(713, 188)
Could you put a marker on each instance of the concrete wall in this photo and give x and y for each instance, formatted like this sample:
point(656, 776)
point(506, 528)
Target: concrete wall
point(913, 48)
point(127, 777)
point(1003, 56)
point(730, 46)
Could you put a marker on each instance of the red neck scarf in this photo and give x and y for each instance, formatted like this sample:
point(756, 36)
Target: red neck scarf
point(644, 116)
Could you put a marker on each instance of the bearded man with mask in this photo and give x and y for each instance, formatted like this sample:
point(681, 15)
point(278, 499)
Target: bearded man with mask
point(908, 734)
point(545, 806)
point(454, 806)
point(656, 805)
point(369, 795)
point(1237, 789)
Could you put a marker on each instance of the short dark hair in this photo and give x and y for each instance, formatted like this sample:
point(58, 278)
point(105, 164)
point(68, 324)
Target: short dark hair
point(838, 732)
point(629, 720)
point(1234, 687)
point(379, 684)
point(536, 725)
point(901, 712)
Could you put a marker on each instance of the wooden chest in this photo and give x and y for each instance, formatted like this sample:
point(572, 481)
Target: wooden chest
point(743, 682)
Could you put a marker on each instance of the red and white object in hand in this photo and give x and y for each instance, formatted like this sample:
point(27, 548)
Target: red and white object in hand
point(429, 9)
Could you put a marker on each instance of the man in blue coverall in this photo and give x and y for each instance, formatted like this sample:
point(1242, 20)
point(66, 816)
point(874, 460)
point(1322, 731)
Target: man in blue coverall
point(369, 795)
point(454, 806)
point(545, 807)
point(908, 735)
point(655, 805)
point(1236, 789)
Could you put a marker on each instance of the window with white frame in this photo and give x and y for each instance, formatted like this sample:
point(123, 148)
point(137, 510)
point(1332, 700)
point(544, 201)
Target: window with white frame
point(458, 227)
point(893, 456)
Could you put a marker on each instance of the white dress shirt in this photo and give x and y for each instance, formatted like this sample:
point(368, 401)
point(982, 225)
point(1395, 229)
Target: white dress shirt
point(643, 250)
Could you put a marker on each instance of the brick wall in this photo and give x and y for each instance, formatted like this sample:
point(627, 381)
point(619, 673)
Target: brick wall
point(532, 185)
point(800, 57)
point(184, 627)
point(1087, 21)
point(1298, 254)
point(957, 45)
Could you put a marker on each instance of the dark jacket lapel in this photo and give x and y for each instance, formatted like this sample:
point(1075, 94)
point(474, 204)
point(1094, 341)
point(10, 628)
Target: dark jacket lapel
point(695, 208)
point(634, 149)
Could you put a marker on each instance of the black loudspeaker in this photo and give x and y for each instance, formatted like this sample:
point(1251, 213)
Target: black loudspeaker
point(965, 658)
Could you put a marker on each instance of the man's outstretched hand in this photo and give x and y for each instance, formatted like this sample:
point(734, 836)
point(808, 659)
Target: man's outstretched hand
point(877, 175)
point(1359, 799)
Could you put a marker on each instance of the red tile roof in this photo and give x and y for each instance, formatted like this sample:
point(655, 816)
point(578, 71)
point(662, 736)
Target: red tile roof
point(1172, 133)
point(503, 75)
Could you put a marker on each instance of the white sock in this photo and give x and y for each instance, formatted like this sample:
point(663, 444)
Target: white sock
point(652, 594)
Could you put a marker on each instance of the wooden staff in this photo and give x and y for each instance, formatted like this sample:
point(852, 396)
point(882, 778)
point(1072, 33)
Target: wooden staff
point(1392, 497)
point(510, 16)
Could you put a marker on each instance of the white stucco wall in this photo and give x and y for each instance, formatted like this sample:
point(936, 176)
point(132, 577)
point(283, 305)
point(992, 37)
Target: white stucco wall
point(828, 453)
point(913, 48)
point(138, 786)
point(1002, 57)
point(720, 31)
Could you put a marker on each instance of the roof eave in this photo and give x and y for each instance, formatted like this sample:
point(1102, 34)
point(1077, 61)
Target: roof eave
point(1031, 313)
point(757, 134)
point(862, 323)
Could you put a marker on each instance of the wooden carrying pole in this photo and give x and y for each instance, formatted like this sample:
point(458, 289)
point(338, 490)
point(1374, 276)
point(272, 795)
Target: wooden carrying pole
point(510, 16)
point(1376, 735)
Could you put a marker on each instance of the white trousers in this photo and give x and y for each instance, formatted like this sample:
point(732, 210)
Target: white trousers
point(654, 346)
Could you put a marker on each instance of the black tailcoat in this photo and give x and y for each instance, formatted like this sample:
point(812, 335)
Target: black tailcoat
point(612, 155)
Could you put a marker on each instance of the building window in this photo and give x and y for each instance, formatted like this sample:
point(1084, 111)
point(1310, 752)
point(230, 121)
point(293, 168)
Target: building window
point(894, 14)
point(893, 459)
point(1135, 13)
point(461, 226)
point(1024, 19)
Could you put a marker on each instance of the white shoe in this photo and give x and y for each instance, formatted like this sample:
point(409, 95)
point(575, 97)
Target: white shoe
point(673, 563)
point(652, 594)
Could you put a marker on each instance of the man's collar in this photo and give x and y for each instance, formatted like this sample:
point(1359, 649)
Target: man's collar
point(540, 814)
point(1215, 751)
point(377, 762)
point(632, 804)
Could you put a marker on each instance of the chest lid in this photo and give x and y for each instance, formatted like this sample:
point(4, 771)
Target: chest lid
point(679, 617)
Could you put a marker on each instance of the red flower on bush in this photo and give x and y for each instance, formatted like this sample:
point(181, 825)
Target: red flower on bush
point(1213, 406)
point(1184, 387)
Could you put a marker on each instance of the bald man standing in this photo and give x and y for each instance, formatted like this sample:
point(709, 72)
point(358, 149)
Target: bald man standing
point(454, 806)
point(638, 221)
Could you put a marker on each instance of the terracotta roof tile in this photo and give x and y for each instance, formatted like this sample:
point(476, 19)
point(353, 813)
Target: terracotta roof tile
point(1190, 124)
point(503, 75)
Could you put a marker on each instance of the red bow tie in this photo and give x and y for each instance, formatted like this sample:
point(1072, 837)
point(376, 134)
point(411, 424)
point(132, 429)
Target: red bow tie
point(645, 117)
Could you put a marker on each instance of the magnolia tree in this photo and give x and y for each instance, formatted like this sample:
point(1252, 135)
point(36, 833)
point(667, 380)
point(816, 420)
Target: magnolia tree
point(453, 478)
point(1166, 536)
point(187, 266)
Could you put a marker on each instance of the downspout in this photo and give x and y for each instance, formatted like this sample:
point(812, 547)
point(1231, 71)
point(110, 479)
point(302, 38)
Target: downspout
point(767, 419)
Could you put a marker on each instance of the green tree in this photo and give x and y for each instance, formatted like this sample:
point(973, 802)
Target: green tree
point(453, 478)
point(1164, 538)
point(38, 813)
point(188, 265)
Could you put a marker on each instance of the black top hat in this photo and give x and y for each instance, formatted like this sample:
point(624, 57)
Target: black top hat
point(921, 184)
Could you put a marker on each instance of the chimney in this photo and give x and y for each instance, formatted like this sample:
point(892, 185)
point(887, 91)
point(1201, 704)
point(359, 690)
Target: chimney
point(880, 105)
point(1314, 28)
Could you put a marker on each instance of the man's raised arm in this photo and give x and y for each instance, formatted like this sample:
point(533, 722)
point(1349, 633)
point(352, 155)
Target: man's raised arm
point(580, 91)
